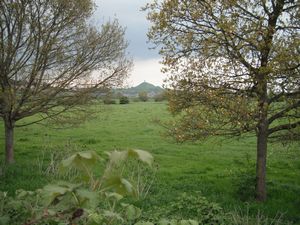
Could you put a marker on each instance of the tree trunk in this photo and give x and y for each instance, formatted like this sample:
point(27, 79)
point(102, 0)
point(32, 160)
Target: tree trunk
point(9, 141)
point(261, 162)
point(262, 138)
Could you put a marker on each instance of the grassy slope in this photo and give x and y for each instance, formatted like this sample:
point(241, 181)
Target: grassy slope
point(208, 167)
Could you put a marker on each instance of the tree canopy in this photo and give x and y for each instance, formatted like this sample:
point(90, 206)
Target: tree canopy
point(49, 52)
point(234, 68)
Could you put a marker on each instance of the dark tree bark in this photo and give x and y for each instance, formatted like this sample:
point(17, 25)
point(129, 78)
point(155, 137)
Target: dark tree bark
point(9, 141)
point(261, 162)
point(262, 136)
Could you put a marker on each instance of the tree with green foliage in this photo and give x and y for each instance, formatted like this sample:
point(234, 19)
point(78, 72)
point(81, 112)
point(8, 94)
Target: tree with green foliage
point(49, 52)
point(124, 100)
point(108, 98)
point(143, 96)
point(160, 96)
point(234, 68)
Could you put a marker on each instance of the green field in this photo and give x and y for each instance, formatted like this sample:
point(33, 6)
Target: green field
point(211, 168)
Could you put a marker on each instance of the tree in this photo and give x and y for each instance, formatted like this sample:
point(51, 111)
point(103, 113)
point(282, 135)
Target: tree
point(235, 69)
point(48, 54)
point(160, 96)
point(143, 96)
point(124, 100)
point(108, 97)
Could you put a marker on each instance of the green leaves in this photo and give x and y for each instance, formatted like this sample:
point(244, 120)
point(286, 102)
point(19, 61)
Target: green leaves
point(119, 185)
point(68, 195)
point(81, 161)
point(171, 222)
point(112, 176)
point(86, 160)
point(144, 223)
point(52, 191)
point(4, 220)
point(96, 202)
point(132, 212)
point(87, 199)
point(141, 155)
point(117, 157)
point(188, 222)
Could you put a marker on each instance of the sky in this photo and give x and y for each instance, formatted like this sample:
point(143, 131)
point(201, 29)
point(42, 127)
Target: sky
point(128, 12)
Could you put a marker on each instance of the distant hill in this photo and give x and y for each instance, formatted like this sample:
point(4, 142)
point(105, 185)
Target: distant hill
point(146, 87)
point(151, 89)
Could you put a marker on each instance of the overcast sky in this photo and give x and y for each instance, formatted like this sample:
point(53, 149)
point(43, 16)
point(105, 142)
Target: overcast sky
point(129, 14)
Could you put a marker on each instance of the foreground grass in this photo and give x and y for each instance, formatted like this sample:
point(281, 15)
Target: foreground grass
point(212, 168)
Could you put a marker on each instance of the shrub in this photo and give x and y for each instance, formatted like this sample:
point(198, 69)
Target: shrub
point(143, 96)
point(108, 98)
point(244, 182)
point(109, 101)
point(140, 175)
point(160, 97)
point(93, 200)
point(136, 99)
point(124, 100)
point(245, 185)
point(195, 207)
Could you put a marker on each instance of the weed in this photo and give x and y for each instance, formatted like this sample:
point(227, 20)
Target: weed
point(48, 161)
point(244, 217)
point(244, 180)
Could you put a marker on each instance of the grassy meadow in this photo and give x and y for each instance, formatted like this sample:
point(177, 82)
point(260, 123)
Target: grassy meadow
point(217, 169)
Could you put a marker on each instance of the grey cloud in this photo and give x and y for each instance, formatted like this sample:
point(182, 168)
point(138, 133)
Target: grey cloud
point(129, 13)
